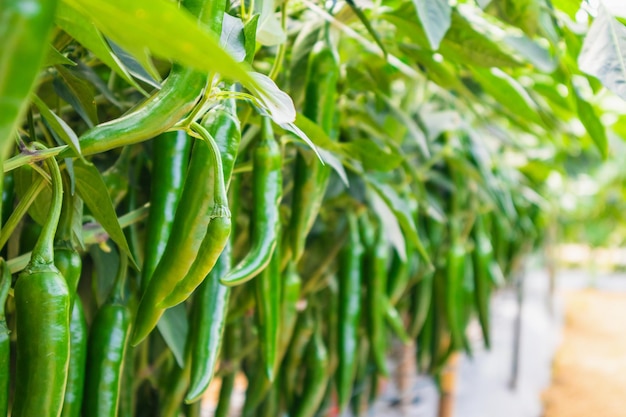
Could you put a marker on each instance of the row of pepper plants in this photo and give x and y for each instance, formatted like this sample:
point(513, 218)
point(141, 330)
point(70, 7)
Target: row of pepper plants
point(279, 190)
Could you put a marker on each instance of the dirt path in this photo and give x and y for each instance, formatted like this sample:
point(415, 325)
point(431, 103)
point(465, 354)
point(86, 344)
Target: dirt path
point(590, 367)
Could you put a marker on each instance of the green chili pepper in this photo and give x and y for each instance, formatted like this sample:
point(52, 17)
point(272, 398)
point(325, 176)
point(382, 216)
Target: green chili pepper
point(350, 275)
point(375, 278)
point(108, 341)
point(5, 341)
point(290, 294)
point(76, 371)
point(317, 377)
point(187, 258)
point(295, 355)
point(207, 322)
point(266, 196)
point(171, 155)
point(24, 29)
point(66, 258)
point(482, 260)
point(310, 176)
point(455, 273)
point(42, 308)
point(267, 289)
point(421, 296)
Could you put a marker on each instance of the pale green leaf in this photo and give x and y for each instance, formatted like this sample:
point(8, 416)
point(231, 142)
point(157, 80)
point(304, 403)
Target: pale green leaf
point(173, 326)
point(592, 123)
point(177, 36)
point(58, 125)
point(435, 16)
point(604, 52)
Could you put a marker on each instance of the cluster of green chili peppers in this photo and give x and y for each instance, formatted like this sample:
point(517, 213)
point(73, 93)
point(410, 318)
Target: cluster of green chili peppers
point(234, 273)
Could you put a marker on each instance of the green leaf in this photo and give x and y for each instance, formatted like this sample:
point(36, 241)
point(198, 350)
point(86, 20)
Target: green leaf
point(569, 7)
point(592, 123)
point(173, 326)
point(435, 16)
point(249, 33)
point(55, 57)
point(58, 125)
point(277, 103)
point(105, 271)
point(368, 26)
point(509, 93)
point(390, 224)
point(24, 178)
point(78, 93)
point(603, 53)
point(402, 211)
point(140, 65)
point(176, 34)
point(92, 189)
point(232, 38)
point(87, 35)
point(372, 155)
point(269, 31)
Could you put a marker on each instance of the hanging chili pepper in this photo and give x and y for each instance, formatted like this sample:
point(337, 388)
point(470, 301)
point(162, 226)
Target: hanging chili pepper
point(73, 399)
point(108, 341)
point(350, 276)
point(42, 309)
point(266, 197)
point(310, 175)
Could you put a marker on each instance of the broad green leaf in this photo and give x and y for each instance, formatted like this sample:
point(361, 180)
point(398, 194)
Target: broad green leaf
point(173, 326)
point(58, 125)
point(371, 155)
point(471, 46)
point(176, 34)
point(87, 35)
point(92, 189)
point(78, 93)
point(603, 53)
point(269, 32)
point(249, 33)
point(106, 264)
point(592, 123)
point(435, 16)
point(509, 93)
point(277, 103)
point(232, 38)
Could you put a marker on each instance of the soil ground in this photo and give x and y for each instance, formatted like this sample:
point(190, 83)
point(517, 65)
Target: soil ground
point(589, 371)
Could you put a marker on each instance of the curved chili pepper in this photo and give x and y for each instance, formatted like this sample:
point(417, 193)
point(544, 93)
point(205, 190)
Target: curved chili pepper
point(108, 341)
point(167, 290)
point(232, 345)
point(266, 195)
point(349, 277)
point(5, 341)
point(171, 158)
point(73, 399)
point(310, 175)
point(42, 308)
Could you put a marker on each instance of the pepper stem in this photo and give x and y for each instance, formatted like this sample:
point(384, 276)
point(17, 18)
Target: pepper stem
point(43, 252)
point(220, 199)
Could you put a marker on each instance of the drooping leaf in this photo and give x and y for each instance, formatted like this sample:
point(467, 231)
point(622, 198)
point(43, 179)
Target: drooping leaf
point(371, 155)
point(604, 52)
point(58, 125)
point(592, 123)
point(233, 38)
point(192, 45)
point(87, 35)
point(78, 93)
point(368, 25)
point(435, 16)
point(277, 103)
point(249, 33)
point(92, 189)
point(269, 32)
point(390, 224)
point(24, 177)
point(139, 65)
